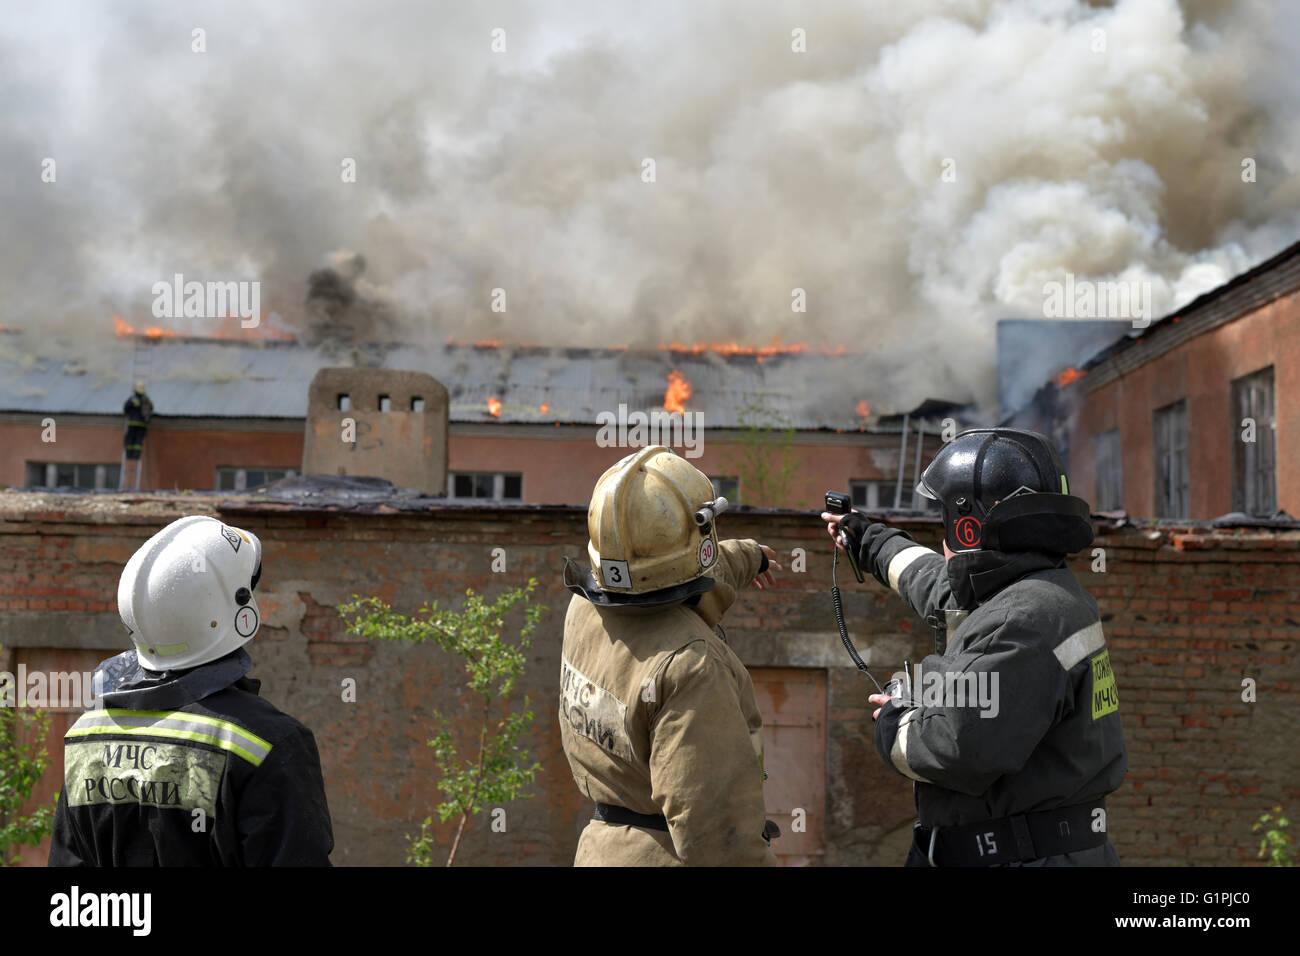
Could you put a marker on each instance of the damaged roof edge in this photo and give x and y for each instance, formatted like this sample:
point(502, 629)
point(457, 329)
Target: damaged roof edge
point(41, 506)
point(1274, 278)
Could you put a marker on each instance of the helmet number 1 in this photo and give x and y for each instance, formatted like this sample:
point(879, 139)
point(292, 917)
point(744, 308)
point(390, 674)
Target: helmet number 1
point(245, 621)
point(616, 574)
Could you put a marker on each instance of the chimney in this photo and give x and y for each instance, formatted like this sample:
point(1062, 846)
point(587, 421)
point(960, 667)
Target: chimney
point(378, 423)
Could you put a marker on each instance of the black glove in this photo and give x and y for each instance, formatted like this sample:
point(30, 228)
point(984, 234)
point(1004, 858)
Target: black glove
point(867, 538)
point(854, 526)
point(887, 730)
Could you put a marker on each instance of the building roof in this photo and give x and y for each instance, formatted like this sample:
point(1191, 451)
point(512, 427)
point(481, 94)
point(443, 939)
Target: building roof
point(1239, 296)
point(213, 378)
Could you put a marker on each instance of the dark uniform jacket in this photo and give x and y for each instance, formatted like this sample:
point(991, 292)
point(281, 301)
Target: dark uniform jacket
point(138, 409)
point(189, 768)
point(1025, 641)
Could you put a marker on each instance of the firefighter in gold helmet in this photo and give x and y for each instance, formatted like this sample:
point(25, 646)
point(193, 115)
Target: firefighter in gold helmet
point(657, 713)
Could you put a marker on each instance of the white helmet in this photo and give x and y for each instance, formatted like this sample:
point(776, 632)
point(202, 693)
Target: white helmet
point(187, 595)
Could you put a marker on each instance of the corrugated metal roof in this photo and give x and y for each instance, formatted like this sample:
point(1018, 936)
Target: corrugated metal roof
point(222, 379)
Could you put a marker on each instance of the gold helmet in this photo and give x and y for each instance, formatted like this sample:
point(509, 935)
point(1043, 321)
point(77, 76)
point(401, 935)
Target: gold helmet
point(651, 528)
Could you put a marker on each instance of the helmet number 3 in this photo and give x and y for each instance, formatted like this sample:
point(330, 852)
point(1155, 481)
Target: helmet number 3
point(245, 621)
point(616, 574)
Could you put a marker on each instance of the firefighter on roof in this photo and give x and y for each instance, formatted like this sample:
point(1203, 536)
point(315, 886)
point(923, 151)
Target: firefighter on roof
point(183, 764)
point(138, 410)
point(657, 713)
point(1017, 776)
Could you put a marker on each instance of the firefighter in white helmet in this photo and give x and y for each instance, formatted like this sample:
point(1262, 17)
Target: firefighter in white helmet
point(183, 764)
point(657, 713)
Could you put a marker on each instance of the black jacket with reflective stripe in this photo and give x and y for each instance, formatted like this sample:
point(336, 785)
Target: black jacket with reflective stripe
point(138, 409)
point(174, 771)
point(1026, 717)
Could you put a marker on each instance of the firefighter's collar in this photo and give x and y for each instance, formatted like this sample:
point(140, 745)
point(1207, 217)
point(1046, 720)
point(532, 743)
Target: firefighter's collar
point(126, 684)
point(975, 576)
point(581, 581)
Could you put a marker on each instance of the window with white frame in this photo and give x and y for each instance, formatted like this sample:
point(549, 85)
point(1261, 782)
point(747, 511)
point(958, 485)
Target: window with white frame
point(231, 478)
point(485, 485)
point(1171, 460)
point(726, 487)
point(876, 495)
point(65, 474)
point(1108, 472)
point(1254, 434)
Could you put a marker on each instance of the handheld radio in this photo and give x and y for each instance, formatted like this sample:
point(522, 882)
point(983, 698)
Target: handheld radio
point(838, 503)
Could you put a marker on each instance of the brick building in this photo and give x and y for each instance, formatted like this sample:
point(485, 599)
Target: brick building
point(524, 421)
point(1196, 416)
point(1190, 613)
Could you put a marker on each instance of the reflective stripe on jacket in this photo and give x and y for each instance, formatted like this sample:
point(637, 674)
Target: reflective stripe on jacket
point(223, 780)
point(1021, 711)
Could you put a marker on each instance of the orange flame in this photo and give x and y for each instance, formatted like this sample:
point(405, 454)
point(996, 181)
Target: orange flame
point(1071, 374)
point(678, 392)
point(494, 406)
point(545, 407)
point(760, 352)
point(230, 327)
point(122, 328)
point(863, 409)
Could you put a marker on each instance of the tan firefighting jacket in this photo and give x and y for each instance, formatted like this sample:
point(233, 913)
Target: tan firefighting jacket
point(657, 715)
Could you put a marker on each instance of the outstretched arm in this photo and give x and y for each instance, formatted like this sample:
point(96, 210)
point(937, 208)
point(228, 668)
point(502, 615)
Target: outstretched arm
point(915, 573)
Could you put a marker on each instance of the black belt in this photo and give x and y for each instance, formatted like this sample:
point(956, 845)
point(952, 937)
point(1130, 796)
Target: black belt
point(608, 813)
point(1016, 839)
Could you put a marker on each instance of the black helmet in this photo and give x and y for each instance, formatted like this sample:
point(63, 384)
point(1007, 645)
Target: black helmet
point(1004, 489)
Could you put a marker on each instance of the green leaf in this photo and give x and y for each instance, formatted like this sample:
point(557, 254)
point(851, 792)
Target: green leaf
point(482, 762)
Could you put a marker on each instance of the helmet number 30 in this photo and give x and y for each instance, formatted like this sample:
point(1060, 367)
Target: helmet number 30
point(245, 621)
point(706, 552)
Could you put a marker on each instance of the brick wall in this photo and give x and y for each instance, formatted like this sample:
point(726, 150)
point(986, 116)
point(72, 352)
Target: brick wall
point(559, 464)
point(1188, 614)
point(1201, 370)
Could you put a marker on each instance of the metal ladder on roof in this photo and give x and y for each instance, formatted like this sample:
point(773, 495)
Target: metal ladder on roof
point(141, 369)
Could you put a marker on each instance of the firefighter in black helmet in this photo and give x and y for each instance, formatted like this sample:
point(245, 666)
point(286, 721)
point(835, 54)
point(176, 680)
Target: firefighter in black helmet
point(138, 409)
point(1011, 730)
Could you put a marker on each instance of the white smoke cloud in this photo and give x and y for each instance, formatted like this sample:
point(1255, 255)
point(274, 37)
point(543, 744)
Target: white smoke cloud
point(775, 170)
